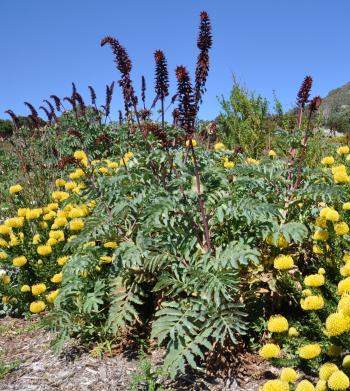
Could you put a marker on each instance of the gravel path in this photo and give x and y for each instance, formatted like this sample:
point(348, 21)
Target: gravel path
point(26, 348)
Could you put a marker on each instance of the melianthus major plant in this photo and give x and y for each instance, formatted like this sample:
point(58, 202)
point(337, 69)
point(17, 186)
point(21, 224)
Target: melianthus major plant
point(176, 241)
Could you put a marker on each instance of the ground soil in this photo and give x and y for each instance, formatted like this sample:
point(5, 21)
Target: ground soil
point(31, 365)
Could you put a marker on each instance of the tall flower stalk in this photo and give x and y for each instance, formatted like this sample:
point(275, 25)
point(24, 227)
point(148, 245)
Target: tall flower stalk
point(34, 115)
point(124, 65)
point(204, 43)
point(57, 101)
point(303, 97)
point(162, 80)
point(14, 118)
point(314, 106)
point(143, 91)
point(186, 117)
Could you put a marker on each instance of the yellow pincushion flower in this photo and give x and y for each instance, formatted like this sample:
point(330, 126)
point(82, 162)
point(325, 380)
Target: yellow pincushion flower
point(130, 155)
point(85, 209)
point(51, 242)
point(305, 385)
point(346, 361)
point(57, 278)
point(341, 228)
point(229, 164)
point(3, 242)
point(324, 211)
point(346, 206)
point(293, 332)
point(38, 289)
point(307, 292)
point(343, 150)
point(33, 213)
point(103, 170)
point(328, 160)
point(92, 204)
point(341, 177)
point(317, 249)
point(19, 261)
point(36, 239)
point(37, 306)
point(346, 257)
point(78, 173)
point(53, 206)
point(219, 146)
point(49, 216)
point(345, 270)
point(321, 270)
point(252, 161)
point(70, 185)
point(271, 153)
point(44, 250)
point(76, 225)
point(289, 375)
point(5, 299)
point(194, 144)
point(15, 222)
point(338, 168)
point(344, 305)
point(312, 303)
point(3, 255)
point(320, 235)
point(337, 324)
point(59, 196)
point(321, 222)
point(62, 260)
point(6, 279)
point(110, 245)
point(5, 230)
point(43, 224)
point(321, 385)
point(60, 221)
point(283, 262)
point(57, 234)
point(21, 212)
point(106, 259)
point(332, 215)
point(80, 155)
point(77, 189)
point(15, 241)
point(60, 182)
point(309, 351)
point(277, 324)
point(314, 280)
point(51, 297)
point(270, 350)
point(15, 189)
point(25, 288)
point(344, 286)
point(338, 381)
point(75, 213)
point(275, 385)
point(112, 165)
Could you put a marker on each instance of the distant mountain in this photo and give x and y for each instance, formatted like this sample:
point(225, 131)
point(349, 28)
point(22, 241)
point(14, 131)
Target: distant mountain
point(337, 100)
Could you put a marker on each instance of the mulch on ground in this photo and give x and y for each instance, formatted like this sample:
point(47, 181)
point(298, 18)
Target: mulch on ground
point(25, 352)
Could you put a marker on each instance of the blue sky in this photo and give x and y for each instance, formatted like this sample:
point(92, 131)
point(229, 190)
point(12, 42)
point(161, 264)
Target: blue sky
point(267, 44)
